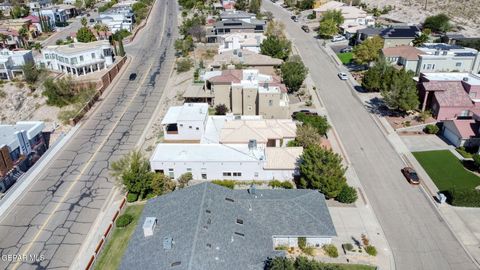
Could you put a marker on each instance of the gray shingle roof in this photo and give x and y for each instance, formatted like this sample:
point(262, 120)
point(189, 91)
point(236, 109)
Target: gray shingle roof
point(206, 235)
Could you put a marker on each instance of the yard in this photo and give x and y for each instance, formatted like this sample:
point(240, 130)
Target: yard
point(446, 170)
point(357, 267)
point(112, 253)
point(346, 58)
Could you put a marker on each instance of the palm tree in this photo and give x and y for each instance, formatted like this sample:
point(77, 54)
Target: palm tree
point(23, 33)
point(84, 22)
point(3, 38)
point(104, 28)
point(97, 27)
point(37, 46)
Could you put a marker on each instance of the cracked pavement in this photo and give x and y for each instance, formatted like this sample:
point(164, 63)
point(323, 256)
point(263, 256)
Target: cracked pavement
point(54, 215)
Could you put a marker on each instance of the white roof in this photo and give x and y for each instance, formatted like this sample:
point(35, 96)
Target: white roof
point(78, 47)
point(187, 112)
point(7, 132)
point(282, 157)
point(473, 79)
point(191, 152)
point(215, 124)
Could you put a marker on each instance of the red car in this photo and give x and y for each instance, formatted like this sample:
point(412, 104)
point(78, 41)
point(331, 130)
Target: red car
point(411, 175)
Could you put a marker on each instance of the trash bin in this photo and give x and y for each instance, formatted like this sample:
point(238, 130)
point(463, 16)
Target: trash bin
point(441, 197)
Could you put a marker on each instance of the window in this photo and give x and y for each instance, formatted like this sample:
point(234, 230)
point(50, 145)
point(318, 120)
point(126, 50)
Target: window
point(204, 176)
point(93, 55)
point(429, 66)
point(240, 221)
point(458, 64)
point(47, 56)
point(237, 174)
point(190, 127)
point(181, 125)
point(270, 102)
point(255, 174)
point(197, 128)
point(465, 113)
point(171, 173)
point(189, 169)
point(227, 174)
point(73, 61)
point(81, 58)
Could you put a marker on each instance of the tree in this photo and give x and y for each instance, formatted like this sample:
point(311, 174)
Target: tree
point(275, 47)
point(78, 4)
point(184, 179)
point(84, 21)
point(368, 51)
point(59, 92)
point(305, 4)
point(328, 28)
point(377, 76)
point(3, 39)
point(89, 3)
point(30, 72)
point(275, 28)
point(268, 16)
point(241, 4)
point(85, 35)
point(161, 184)
point(438, 23)
point(307, 135)
point(23, 33)
point(221, 109)
point(279, 263)
point(420, 40)
point(476, 160)
point(19, 12)
point(335, 15)
point(348, 194)
point(37, 46)
point(254, 6)
point(322, 169)
point(320, 123)
point(121, 50)
point(294, 73)
point(401, 92)
point(133, 171)
point(198, 32)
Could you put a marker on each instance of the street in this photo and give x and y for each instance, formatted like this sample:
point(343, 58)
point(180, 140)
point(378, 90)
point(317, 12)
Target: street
point(52, 218)
point(417, 235)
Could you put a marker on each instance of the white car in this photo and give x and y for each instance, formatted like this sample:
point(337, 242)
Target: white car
point(343, 76)
point(338, 38)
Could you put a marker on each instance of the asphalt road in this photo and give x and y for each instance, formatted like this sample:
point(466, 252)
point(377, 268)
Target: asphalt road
point(55, 214)
point(417, 235)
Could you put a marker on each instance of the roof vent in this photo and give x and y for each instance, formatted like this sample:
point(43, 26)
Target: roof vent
point(229, 199)
point(167, 243)
point(465, 79)
point(149, 226)
point(252, 144)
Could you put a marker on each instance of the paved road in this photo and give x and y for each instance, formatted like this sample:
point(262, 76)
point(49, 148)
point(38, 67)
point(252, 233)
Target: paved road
point(65, 32)
point(56, 213)
point(418, 236)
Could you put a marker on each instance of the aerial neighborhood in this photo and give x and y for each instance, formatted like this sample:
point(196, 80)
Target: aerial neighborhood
point(239, 134)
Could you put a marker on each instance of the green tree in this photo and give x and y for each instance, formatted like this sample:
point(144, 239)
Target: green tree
point(59, 92)
point(23, 33)
point(89, 3)
point(221, 109)
point(275, 28)
point(335, 15)
point(279, 263)
point(84, 21)
point(322, 169)
point(420, 40)
point(254, 6)
point(121, 50)
point(368, 51)
point(328, 28)
point(133, 171)
point(307, 135)
point(348, 194)
point(377, 76)
point(476, 161)
point(3, 39)
point(294, 73)
point(438, 23)
point(85, 35)
point(305, 4)
point(241, 4)
point(30, 72)
point(275, 47)
point(19, 12)
point(37, 46)
point(401, 92)
point(184, 179)
point(161, 184)
point(320, 123)
point(78, 4)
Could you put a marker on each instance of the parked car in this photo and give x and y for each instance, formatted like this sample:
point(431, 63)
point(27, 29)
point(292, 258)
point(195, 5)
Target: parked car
point(305, 28)
point(343, 76)
point(92, 20)
point(411, 175)
point(347, 49)
point(88, 14)
point(306, 112)
point(338, 38)
point(132, 77)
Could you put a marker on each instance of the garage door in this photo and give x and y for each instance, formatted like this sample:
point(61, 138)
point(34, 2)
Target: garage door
point(452, 137)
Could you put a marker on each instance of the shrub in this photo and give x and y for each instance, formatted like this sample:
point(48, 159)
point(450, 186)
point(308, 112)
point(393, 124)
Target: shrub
point(371, 250)
point(464, 197)
point(431, 129)
point(281, 247)
point(124, 220)
point(348, 194)
point(302, 242)
point(225, 183)
point(184, 179)
point(184, 65)
point(331, 250)
point(462, 151)
point(278, 184)
point(132, 197)
point(221, 109)
point(309, 250)
point(287, 185)
point(347, 246)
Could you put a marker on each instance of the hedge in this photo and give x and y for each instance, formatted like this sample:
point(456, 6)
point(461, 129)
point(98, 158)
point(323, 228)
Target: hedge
point(431, 129)
point(331, 250)
point(278, 184)
point(348, 194)
point(464, 197)
point(132, 197)
point(225, 183)
point(124, 220)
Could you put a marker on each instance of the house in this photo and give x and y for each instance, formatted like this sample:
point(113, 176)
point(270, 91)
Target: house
point(399, 35)
point(6, 7)
point(403, 56)
point(330, 5)
point(119, 18)
point(185, 123)
point(450, 95)
point(36, 22)
point(12, 39)
point(21, 145)
point(11, 63)
point(35, 6)
point(79, 58)
point(234, 21)
point(240, 41)
point(207, 226)
point(366, 33)
point(56, 16)
point(18, 24)
point(462, 132)
point(247, 59)
point(248, 92)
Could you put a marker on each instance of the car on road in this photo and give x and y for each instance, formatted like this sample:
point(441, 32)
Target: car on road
point(92, 20)
point(411, 175)
point(305, 28)
point(132, 77)
point(343, 76)
point(338, 38)
point(346, 50)
point(294, 18)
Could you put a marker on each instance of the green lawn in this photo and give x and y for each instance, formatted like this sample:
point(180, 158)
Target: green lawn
point(112, 253)
point(345, 57)
point(446, 170)
point(357, 267)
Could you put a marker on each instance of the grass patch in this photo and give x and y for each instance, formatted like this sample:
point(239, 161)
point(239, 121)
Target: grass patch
point(346, 58)
point(112, 253)
point(446, 170)
point(356, 267)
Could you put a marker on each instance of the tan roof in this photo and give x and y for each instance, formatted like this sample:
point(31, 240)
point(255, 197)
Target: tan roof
point(248, 58)
point(282, 157)
point(241, 131)
point(329, 5)
point(404, 51)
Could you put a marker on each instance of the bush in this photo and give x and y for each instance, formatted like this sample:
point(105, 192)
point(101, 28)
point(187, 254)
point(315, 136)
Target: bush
point(462, 151)
point(124, 220)
point(302, 242)
point(225, 183)
point(347, 247)
point(184, 65)
point(132, 197)
point(371, 250)
point(476, 160)
point(317, 121)
point(221, 109)
point(331, 250)
point(431, 129)
point(281, 247)
point(287, 185)
point(309, 250)
point(464, 197)
point(348, 194)
point(278, 184)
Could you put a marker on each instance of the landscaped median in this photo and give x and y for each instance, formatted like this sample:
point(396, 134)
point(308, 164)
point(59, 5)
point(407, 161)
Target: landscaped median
point(451, 177)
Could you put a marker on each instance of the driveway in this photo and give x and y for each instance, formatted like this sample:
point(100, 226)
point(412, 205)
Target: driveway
point(416, 143)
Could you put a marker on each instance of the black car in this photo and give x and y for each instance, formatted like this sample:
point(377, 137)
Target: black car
point(92, 20)
point(132, 77)
point(305, 28)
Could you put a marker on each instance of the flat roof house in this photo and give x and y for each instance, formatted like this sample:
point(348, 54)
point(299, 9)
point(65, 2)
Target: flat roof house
point(233, 21)
point(78, 58)
point(11, 63)
point(185, 123)
point(247, 58)
point(211, 227)
point(240, 41)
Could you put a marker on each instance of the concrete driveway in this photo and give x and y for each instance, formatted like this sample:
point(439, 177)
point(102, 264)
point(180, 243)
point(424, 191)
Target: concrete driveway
point(416, 143)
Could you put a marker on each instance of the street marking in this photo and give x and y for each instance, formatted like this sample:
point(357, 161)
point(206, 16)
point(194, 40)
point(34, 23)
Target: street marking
point(62, 200)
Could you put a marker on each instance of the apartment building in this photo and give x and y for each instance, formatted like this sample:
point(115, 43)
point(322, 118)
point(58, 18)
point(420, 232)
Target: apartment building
point(240, 41)
point(78, 59)
point(11, 63)
point(118, 18)
point(21, 145)
point(248, 92)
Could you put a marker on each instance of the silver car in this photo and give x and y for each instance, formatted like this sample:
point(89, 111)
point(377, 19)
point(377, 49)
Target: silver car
point(343, 76)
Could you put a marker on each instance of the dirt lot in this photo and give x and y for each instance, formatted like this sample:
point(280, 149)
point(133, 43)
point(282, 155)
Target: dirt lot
point(464, 13)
